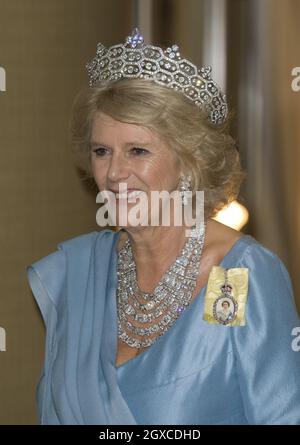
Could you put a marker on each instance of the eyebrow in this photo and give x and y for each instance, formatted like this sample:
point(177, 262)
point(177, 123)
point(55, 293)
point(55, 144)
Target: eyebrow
point(95, 143)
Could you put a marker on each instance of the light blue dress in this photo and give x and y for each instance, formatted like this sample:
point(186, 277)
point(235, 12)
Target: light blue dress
point(196, 373)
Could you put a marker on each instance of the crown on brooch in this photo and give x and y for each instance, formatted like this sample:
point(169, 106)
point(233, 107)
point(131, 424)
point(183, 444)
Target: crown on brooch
point(226, 288)
point(134, 59)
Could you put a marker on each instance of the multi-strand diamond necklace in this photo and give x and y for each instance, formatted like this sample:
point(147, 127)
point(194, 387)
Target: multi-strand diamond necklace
point(169, 299)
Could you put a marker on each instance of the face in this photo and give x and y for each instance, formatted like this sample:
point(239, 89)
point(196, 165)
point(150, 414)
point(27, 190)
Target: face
point(225, 305)
point(131, 154)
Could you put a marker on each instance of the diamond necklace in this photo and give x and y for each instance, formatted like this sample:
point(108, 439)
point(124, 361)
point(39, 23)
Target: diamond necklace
point(167, 302)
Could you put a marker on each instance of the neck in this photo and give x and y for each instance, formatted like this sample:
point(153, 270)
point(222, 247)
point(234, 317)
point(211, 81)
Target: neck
point(154, 248)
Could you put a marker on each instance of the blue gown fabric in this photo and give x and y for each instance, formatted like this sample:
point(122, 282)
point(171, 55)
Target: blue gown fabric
point(196, 373)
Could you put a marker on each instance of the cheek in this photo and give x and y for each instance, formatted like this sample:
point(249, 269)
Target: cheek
point(99, 172)
point(151, 173)
point(165, 173)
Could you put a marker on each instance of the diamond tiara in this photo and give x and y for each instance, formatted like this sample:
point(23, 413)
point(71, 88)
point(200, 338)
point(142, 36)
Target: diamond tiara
point(134, 59)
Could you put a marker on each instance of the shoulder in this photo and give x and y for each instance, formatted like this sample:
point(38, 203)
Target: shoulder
point(244, 250)
point(57, 258)
point(270, 299)
point(46, 276)
point(263, 262)
point(84, 240)
point(81, 246)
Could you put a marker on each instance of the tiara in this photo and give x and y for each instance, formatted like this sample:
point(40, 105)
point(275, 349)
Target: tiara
point(134, 59)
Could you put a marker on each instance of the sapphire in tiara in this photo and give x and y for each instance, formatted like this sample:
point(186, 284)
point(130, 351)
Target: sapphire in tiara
point(135, 39)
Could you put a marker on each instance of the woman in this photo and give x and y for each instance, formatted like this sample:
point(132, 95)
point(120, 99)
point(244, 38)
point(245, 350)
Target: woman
point(133, 331)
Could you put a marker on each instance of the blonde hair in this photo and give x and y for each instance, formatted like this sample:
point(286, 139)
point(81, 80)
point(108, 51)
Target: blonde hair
point(205, 150)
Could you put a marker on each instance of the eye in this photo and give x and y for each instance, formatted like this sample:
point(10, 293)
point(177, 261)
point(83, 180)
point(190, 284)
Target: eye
point(139, 151)
point(100, 151)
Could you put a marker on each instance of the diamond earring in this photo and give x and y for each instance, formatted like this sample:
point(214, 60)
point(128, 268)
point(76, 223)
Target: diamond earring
point(185, 186)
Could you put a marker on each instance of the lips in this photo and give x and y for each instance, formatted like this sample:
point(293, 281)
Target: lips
point(130, 194)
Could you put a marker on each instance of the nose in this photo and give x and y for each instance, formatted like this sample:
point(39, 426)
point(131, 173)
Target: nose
point(118, 168)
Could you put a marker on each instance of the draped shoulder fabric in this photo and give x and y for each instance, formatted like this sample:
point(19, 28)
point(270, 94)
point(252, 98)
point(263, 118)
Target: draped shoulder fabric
point(75, 290)
point(195, 373)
